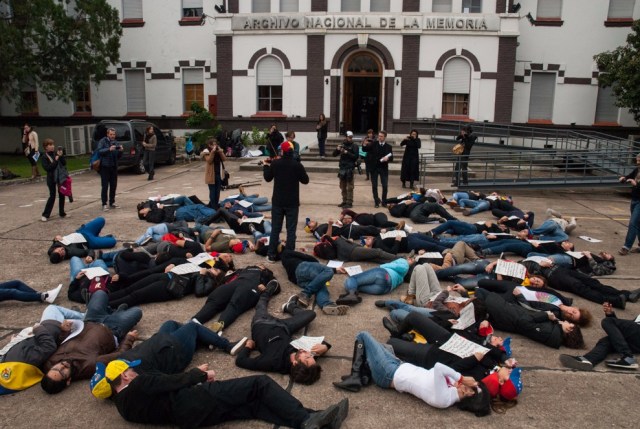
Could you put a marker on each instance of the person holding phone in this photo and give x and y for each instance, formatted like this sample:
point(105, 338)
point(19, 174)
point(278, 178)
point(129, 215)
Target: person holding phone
point(110, 151)
point(214, 156)
point(31, 147)
point(50, 161)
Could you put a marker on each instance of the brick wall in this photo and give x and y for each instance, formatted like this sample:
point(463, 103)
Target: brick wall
point(224, 62)
point(410, 64)
point(315, 76)
point(505, 79)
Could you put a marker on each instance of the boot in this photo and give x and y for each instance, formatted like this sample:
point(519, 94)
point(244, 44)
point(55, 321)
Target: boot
point(353, 382)
point(351, 298)
point(34, 170)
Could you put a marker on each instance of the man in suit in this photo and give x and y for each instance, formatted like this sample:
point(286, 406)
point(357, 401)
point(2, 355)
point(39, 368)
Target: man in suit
point(381, 154)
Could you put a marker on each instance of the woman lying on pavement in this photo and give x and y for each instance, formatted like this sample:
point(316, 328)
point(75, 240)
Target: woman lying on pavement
point(346, 251)
point(440, 387)
point(375, 281)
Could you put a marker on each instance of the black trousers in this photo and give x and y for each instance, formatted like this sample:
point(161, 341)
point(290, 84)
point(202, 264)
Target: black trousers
point(584, 286)
point(379, 220)
point(109, 181)
point(48, 208)
point(384, 181)
point(254, 397)
point(152, 288)
point(231, 300)
point(299, 320)
point(623, 337)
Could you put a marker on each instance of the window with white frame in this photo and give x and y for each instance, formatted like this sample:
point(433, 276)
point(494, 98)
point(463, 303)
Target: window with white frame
point(621, 9)
point(380, 5)
point(289, 6)
point(269, 73)
point(549, 9)
point(350, 5)
point(191, 8)
point(193, 85)
point(441, 6)
point(543, 87)
point(606, 109)
point(82, 102)
point(136, 95)
point(456, 88)
point(131, 9)
point(260, 6)
point(471, 6)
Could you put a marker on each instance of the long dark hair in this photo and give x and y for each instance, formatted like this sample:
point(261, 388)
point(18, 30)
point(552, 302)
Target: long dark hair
point(479, 403)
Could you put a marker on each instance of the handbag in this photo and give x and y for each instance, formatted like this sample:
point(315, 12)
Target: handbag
point(94, 162)
point(177, 285)
point(225, 177)
point(65, 187)
point(458, 149)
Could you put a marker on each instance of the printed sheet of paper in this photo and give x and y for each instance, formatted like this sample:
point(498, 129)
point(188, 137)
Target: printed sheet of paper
point(352, 271)
point(511, 269)
point(589, 239)
point(462, 347)
point(232, 197)
point(200, 258)
point(245, 203)
point(93, 272)
point(430, 255)
point(73, 238)
point(251, 219)
point(334, 264)
point(466, 319)
point(187, 268)
point(306, 343)
point(576, 255)
point(164, 197)
point(227, 231)
point(534, 242)
point(393, 234)
point(538, 259)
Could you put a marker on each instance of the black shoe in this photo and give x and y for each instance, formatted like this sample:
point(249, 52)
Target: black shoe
point(288, 306)
point(391, 326)
point(576, 362)
point(377, 205)
point(234, 348)
point(634, 296)
point(343, 412)
point(62, 215)
point(70, 198)
point(380, 303)
point(321, 419)
point(347, 206)
point(130, 245)
point(342, 204)
point(384, 204)
point(349, 299)
point(625, 362)
point(623, 302)
point(273, 287)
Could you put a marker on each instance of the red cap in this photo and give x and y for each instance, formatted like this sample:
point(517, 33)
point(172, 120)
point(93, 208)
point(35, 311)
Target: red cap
point(492, 383)
point(508, 391)
point(286, 147)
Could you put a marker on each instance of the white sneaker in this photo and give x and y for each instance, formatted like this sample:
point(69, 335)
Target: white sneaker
point(105, 208)
point(43, 219)
point(53, 294)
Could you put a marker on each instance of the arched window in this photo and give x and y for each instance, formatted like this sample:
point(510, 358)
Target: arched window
point(269, 72)
point(455, 90)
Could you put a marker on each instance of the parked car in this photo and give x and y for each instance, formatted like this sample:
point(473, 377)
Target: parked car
point(130, 135)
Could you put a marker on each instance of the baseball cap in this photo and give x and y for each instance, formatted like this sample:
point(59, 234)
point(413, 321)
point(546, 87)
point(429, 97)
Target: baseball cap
point(512, 387)
point(349, 134)
point(286, 147)
point(240, 247)
point(100, 382)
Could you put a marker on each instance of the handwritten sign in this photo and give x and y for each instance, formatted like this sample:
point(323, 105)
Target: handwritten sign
point(462, 347)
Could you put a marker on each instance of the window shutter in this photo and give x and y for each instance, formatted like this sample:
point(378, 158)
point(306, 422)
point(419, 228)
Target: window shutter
point(192, 76)
point(457, 77)
point(136, 99)
point(543, 87)
point(269, 72)
point(380, 6)
point(260, 6)
point(606, 110)
point(350, 6)
point(549, 9)
point(441, 6)
point(132, 9)
point(192, 4)
point(289, 6)
point(621, 8)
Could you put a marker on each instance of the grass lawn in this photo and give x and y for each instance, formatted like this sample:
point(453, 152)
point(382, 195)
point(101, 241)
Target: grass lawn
point(19, 165)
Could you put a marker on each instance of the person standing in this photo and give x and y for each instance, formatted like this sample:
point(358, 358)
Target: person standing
point(633, 232)
point(349, 153)
point(149, 160)
point(110, 151)
point(381, 154)
point(365, 156)
point(31, 147)
point(410, 171)
point(287, 174)
point(50, 161)
point(467, 138)
point(214, 156)
point(321, 128)
point(275, 139)
point(291, 138)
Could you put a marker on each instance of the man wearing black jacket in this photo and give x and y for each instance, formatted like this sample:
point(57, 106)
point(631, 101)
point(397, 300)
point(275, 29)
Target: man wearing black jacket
point(381, 154)
point(349, 153)
point(287, 174)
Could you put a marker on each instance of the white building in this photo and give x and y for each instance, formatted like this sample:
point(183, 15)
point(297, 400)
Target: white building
point(365, 63)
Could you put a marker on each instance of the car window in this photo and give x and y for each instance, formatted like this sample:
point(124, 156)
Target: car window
point(139, 130)
point(161, 138)
point(122, 132)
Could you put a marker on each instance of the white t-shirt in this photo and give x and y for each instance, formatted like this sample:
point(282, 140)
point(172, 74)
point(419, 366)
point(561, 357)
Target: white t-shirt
point(436, 387)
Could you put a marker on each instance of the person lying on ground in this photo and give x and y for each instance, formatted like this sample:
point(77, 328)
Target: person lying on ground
point(375, 281)
point(90, 231)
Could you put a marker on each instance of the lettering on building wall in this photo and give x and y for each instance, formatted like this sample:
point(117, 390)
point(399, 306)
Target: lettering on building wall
point(359, 22)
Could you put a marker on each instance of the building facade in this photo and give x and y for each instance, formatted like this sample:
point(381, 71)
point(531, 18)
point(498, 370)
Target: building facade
point(377, 64)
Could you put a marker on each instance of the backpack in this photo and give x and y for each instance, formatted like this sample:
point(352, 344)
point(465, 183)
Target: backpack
point(94, 161)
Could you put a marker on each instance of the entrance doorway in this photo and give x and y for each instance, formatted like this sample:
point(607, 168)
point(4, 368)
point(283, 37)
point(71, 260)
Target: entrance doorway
point(363, 88)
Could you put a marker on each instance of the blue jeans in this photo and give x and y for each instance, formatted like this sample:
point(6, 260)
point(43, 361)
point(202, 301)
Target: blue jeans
point(214, 193)
point(457, 196)
point(155, 232)
point(375, 281)
point(473, 267)
point(120, 322)
point(382, 362)
point(519, 247)
point(477, 206)
point(559, 259)
point(194, 212)
point(190, 334)
point(633, 232)
point(455, 227)
point(312, 278)
point(18, 291)
point(266, 225)
point(417, 241)
point(278, 215)
point(91, 232)
point(478, 239)
point(182, 200)
point(55, 312)
point(77, 264)
point(400, 310)
point(550, 230)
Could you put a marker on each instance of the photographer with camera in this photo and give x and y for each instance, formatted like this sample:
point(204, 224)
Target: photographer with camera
point(110, 152)
point(214, 171)
point(349, 153)
point(467, 139)
point(52, 157)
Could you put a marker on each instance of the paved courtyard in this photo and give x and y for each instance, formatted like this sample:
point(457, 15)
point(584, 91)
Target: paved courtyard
point(552, 395)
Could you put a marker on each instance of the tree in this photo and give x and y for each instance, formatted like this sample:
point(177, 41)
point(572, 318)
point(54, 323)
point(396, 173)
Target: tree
point(620, 69)
point(58, 46)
